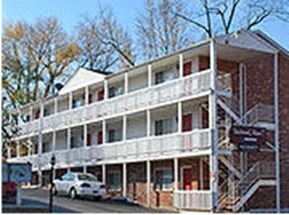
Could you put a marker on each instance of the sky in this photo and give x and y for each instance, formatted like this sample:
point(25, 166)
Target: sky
point(70, 11)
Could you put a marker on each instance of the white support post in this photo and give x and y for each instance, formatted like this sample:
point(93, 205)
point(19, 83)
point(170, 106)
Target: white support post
point(86, 95)
point(103, 174)
point(55, 105)
point(70, 98)
point(124, 129)
point(9, 152)
point(180, 117)
point(149, 75)
point(84, 135)
point(181, 65)
point(18, 149)
point(18, 194)
point(176, 171)
point(84, 169)
point(104, 131)
point(68, 138)
point(40, 143)
point(241, 83)
point(53, 141)
point(125, 83)
point(31, 113)
point(276, 136)
point(124, 180)
point(148, 123)
point(201, 174)
point(213, 126)
point(105, 89)
point(148, 183)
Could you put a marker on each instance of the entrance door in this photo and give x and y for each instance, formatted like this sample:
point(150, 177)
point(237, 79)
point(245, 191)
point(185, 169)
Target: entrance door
point(187, 178)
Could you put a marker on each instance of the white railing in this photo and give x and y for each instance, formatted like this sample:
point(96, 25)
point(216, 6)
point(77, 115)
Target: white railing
point(141, 99)
point(193, 199)
point(147, 147)
point(260, 113)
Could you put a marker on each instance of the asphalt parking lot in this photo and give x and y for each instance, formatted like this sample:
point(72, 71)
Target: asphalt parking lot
point(63, 204)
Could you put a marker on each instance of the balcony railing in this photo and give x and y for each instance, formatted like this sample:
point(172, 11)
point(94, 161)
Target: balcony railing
point(132, 102)
point(142, 148)
point(193, 199)
point(141, 99)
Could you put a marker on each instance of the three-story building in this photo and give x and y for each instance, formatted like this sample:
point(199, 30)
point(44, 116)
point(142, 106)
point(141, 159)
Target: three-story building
point(160, 133)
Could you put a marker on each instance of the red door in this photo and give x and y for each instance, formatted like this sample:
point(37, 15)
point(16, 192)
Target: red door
point(187, 122)
point(187, 178)
point(88, 140)
point(100, 95)
point(89, 98)
point(187, 68)
point(99, 137)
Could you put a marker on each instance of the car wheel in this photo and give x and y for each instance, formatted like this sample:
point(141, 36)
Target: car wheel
point(54, 191)
point(73, 193)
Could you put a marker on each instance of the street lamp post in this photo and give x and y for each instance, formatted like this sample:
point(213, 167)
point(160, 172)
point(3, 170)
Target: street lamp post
point(52, 162)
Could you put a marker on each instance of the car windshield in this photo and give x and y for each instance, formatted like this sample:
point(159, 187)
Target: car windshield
point(86, 177)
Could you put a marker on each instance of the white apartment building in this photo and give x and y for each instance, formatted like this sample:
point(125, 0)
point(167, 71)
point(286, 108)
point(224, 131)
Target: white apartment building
point(159, 133)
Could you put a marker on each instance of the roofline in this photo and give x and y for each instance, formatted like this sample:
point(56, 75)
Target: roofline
point(193, 46)
point(272, 41)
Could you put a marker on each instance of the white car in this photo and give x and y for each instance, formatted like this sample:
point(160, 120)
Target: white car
point(79, 184)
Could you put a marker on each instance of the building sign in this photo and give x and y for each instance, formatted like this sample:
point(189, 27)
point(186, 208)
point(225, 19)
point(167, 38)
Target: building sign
point(248, 138)
point(16, 172)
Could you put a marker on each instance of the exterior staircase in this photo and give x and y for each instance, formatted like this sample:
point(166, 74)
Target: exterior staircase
point(238, 187)
point(233, 196)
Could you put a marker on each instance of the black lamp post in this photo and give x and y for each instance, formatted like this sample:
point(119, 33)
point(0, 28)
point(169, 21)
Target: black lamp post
point(52, 162)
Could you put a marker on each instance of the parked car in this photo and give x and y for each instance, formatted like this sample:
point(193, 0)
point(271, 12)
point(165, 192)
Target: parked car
point(79, 184)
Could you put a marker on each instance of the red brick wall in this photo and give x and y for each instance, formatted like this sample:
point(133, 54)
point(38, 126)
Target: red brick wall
point(136, 179)
point(284, 128)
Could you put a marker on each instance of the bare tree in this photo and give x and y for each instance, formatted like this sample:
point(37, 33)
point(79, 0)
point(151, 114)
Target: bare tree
point(225, 16)
point(160, 31)
point(104, 42)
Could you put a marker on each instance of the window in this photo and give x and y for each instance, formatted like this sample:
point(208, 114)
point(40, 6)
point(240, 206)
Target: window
point(165, 76)
point(68, 177)
point(111, 136)
point(114, 180)
point(163, 179)
point(115, 91)
point(165, 126)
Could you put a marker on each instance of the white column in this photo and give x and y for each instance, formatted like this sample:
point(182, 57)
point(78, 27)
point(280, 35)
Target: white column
point(180, 117)
point(9, 152)
point(68, 138)
point(86, 95)
point(70, 98)
point(84, 169)
point(213, 126)
point(241, 67)
point(53, 140)
point(125, 83)
point(276, 136)
point(55, 105)
point(176, 172)
point(31, 113)
point(149, 75)
point(105, 89)
point(18, 149)
point(201, 174)
point(148, 123)
point(103, 174)
point(124, 179)
point(103, 131)
point(148, 184)
point(181, 65)
point(84, 135)
point(124, 129)
point(40, 143)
